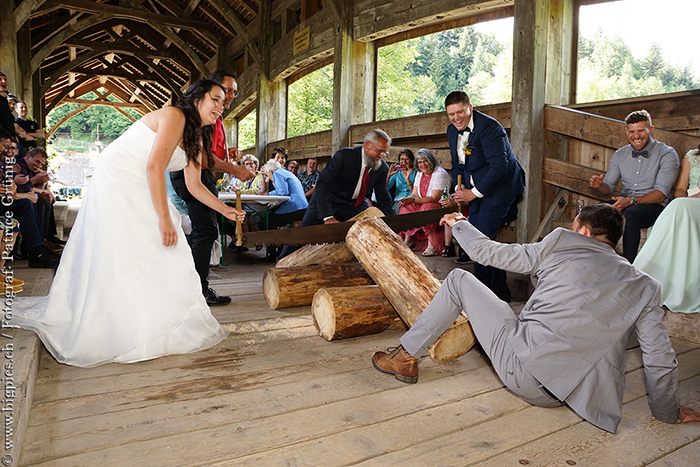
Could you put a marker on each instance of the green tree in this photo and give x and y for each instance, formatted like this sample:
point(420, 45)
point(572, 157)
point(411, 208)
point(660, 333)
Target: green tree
point(310, 103)
point(246, 131)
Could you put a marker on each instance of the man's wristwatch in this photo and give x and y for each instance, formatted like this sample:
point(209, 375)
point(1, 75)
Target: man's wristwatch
point(633, 202)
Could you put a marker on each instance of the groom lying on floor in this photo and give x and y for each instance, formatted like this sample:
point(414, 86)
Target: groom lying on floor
point(568, 344)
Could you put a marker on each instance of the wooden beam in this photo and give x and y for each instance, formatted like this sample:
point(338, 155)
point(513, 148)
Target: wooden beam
point(57, 40)
point(572, 177)
point(114, 47)
point(100, 101)
point(239, 27)
point(556, 211)
point(24, 11)
point(335, 6)
point(142, 16)
point(606, 131)
point(68, 66)
point(115, 73)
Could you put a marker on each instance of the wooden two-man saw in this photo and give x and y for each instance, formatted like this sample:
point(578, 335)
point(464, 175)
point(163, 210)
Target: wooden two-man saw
point(335, 233)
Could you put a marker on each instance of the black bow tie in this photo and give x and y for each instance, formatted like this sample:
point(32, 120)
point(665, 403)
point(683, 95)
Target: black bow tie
point(644, 154)
point(466, 130)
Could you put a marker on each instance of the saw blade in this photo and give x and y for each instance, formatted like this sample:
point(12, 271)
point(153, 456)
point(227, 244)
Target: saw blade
point(335, 233)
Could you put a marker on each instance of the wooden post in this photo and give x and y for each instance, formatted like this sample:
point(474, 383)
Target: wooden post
point(542, 63)
point(287, 287)
point(344, 312)
point(405, 281)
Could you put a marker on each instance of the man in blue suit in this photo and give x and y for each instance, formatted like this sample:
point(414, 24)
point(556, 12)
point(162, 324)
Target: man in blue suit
point(351, 176)
point(493, 177)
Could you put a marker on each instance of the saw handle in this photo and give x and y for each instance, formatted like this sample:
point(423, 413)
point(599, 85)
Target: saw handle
point(459, 187)
point(239, 225)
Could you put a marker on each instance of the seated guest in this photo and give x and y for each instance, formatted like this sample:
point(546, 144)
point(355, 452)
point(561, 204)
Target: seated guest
point(286, 184)
point(293, 166)
point(309, 177)
point(671, 254)
point(256, 185)
point(431, 181)
point(21, 207)
point(280, 155)
point(31, 165)
point(401, 177)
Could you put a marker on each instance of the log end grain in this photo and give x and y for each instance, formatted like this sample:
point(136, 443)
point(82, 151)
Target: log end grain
point(454, 343)
point(271, 289)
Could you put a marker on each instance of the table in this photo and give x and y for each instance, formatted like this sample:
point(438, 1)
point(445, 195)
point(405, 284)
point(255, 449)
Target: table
point(265, 202)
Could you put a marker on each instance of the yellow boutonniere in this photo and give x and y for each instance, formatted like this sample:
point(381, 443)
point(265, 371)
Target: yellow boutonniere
point(467, 149)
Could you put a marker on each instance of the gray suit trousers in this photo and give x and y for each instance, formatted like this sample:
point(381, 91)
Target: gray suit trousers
point(487, 314)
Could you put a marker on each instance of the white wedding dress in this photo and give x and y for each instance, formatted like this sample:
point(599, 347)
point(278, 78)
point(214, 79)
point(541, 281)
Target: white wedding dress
point(119, 295)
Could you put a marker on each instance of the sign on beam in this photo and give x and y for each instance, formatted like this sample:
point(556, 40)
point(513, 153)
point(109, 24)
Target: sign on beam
point(302, 39)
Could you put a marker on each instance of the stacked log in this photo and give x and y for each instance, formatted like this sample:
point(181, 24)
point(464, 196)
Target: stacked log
point(405, 281)
point(330, 253)
point(344, 312)
point(288, 287)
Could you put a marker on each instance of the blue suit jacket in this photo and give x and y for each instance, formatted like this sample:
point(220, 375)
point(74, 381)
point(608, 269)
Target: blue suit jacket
point(337, 182)
point(497, 173)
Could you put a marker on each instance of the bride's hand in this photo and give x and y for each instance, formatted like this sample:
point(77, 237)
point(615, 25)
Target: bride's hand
point(234, 214)
point(167, 232)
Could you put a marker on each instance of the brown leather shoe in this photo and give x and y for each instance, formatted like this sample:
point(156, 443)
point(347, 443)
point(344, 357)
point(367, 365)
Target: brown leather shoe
point(396, 361)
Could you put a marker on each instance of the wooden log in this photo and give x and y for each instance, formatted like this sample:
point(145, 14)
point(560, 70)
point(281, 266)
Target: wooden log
point(344, 312)
point(287, 287)
point(327, 253)
point(405, 281)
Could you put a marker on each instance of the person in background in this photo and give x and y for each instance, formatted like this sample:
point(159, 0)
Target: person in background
point(309, 177)
point(205, 221)
point(648, 170)
point(493, 177)
point(27, 130)
point(671, 254)
point(430, 183)
point(401, 177)
point(293, 167)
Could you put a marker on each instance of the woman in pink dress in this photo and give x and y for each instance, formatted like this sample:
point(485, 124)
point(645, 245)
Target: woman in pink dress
point(431, 181)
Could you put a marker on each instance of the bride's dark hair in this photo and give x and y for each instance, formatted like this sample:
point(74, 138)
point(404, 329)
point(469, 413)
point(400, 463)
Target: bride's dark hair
point(195, 136)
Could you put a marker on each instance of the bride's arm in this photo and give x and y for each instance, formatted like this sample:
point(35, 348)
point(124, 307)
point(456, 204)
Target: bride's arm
point(171, 123)
point(194, 185)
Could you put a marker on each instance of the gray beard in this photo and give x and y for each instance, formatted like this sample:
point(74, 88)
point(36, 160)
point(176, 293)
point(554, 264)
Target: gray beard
point(373, 165)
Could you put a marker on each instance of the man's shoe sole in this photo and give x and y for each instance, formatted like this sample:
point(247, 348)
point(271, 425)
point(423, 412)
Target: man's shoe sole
point(400, 377)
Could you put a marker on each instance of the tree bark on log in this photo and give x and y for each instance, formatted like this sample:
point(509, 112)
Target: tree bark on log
point(405, 281)
point(328, 253)
point(344, 312)
point(287, 287)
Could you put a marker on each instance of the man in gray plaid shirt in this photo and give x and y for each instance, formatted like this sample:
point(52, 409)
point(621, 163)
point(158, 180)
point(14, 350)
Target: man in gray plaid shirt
point(309, 178)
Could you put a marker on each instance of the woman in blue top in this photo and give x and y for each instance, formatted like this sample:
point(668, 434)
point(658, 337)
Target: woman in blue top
point(401, 177)
point(286, 184)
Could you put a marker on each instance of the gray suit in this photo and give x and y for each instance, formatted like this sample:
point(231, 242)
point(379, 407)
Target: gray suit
point(568, 343)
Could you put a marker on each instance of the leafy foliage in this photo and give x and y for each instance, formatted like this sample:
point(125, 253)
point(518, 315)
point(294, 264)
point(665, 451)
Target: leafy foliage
point(414, 76)
point(246, 130)
point(310, 103)
point(608, 70)
point(84, 126)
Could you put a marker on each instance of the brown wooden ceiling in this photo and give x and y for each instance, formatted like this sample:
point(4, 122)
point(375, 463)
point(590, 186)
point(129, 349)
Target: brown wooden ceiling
point(141, 52)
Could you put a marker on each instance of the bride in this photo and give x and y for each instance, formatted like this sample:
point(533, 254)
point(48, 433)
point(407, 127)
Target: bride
point(126, 289)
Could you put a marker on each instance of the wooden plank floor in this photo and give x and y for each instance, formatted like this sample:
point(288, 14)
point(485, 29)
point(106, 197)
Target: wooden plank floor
point(275, 394)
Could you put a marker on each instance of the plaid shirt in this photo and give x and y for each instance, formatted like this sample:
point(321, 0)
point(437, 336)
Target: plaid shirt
point(308, 181)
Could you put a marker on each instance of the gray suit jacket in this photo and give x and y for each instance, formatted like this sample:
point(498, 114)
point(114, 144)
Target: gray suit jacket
point(572, 333)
